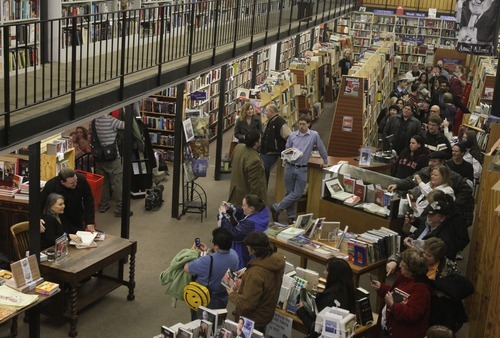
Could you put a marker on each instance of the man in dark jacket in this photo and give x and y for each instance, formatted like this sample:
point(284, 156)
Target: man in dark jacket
point(78, 197)
point(402, 127)
point(434, 138)
point(274, 139)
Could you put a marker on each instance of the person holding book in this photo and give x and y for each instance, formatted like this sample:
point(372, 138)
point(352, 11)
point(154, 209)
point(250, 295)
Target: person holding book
point(339, 291)
point(303, 140)
point(247, 121)
point(56, 226)
point(408, 301)
point(78, 198)
point(260, 287)
point(253, 215)
point(210, 269)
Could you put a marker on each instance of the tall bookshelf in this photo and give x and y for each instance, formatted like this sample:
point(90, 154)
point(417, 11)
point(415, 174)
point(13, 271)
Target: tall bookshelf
point(24, 34)
point(103, 24)
point(158, 114)
point(361, 31)
point(308, 75)
point(383, 24)
point(484, 70)
point(286, 53)
point(363, 93)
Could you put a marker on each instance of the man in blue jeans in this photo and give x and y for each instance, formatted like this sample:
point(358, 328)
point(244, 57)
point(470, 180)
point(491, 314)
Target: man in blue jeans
point(303, 140)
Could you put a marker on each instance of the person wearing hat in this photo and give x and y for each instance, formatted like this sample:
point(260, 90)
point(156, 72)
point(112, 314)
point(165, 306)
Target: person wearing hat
point(260, 287)
point(401, 88)
point(402, 127)
point(457, 163)
point(444, 224)
point(393, 110)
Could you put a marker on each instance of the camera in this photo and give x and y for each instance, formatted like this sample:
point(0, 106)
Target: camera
point(154, 197)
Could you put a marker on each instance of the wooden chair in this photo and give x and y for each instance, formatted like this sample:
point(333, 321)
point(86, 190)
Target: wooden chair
point(20, 238)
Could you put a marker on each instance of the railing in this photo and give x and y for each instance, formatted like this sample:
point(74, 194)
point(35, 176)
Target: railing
point(49, 59)
point(445, 6)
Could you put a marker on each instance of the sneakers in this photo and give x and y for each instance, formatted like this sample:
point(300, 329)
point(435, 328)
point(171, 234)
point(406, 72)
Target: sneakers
point(274, 213)
point(119, 213)
point(103, 209)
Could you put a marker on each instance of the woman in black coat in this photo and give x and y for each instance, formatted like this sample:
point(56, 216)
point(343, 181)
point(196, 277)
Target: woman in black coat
point(339, 289)
point(412, 158)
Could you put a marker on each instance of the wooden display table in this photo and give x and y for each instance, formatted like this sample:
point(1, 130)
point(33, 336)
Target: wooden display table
point(83, 272)
point(315, 176)
point(359, 332)
point(377, 267)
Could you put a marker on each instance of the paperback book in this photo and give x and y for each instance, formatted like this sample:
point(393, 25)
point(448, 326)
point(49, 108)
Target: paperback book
point(231, 280)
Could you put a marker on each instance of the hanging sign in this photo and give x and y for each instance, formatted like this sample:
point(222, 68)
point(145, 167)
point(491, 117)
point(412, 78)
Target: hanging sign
point(198, 96)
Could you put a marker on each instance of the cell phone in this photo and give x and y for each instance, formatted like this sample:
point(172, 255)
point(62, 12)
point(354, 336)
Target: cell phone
point(371, 278)
point(197, 242)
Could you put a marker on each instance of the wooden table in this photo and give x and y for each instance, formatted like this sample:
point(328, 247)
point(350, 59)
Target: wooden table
point(34, 330)
point(304, 254)
point(92, 273)
point(360, 331)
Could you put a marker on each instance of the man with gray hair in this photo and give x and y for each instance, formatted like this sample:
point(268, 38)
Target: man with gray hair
point(276, 132)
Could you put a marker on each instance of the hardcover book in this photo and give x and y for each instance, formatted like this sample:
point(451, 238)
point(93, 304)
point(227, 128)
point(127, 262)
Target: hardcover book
point(348, 184)
point(47, 288)
point(231, 280)
point(364, 313)
point(215, 316)
point(360, 190)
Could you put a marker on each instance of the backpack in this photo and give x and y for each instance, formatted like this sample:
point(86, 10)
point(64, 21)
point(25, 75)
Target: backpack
point(196, 294)
point(102, 153)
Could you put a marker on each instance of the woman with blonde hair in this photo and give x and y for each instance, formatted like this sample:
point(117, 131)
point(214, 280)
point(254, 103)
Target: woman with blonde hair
point(247, 121)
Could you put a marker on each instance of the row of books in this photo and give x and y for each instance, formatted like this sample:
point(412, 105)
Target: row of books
point(159, 122)
point(211, 323)
point(154, 105)
point(373, 245)
point(59, 146)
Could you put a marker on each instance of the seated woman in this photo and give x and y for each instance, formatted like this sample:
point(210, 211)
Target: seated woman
point(406, 316)
point(440, 179)
point(55, 226)
point(253, 215)
point(412, 158)
point(339, 288)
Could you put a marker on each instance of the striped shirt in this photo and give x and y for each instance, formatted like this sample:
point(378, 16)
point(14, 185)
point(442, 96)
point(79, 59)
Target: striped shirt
point(107, 128)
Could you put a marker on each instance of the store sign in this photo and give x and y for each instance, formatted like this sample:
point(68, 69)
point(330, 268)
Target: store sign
point(418, 41)
point(198, 96)
point(383, 12)
point(280, 326)
point(415, 14)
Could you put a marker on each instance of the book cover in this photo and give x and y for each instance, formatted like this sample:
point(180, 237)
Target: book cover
point(167, 332)
point(286, 234)
point(47, 288)
point(61, 248)
point(364, 314)
point(184, 333)
point(225, 333)
point(276, 228)
point(200, 167)
point(353, 200)
point(245, 327)
point(5, 275)
point(348, 184)
point(231, 280)
point(360, 190)
point(215, 316)
point(205, 329)
point(299, 240)
point(400, 296)
point(360, 255)
point(379, 195)
point(304, 221)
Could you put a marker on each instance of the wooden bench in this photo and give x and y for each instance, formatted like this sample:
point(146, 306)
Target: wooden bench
point(360, 331)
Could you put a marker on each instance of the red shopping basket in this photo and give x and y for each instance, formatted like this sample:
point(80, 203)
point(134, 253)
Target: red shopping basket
point(96, 182)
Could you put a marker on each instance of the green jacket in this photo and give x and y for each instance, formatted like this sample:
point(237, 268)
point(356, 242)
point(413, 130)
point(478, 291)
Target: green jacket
point(174, 276)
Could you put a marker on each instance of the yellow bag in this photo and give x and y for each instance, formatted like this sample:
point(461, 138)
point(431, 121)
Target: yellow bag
point(196, 294)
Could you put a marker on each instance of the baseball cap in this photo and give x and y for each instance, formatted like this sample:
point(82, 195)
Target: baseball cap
point(437, 155)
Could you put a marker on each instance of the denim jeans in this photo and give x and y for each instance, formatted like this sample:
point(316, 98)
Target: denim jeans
point(295, 183)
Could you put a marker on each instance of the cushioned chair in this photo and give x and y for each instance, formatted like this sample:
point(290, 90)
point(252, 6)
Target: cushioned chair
point(20, 238)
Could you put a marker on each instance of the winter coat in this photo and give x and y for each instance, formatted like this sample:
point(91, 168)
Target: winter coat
point(259, 291)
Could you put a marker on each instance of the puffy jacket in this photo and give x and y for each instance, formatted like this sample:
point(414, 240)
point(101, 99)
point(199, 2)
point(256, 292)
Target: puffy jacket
point(260, 287)
point(258, 221)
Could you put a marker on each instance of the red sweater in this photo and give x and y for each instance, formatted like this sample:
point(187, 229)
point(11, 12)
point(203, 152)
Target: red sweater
point(409, 320)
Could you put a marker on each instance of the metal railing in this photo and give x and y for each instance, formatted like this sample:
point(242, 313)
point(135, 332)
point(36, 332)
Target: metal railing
point(75, 52)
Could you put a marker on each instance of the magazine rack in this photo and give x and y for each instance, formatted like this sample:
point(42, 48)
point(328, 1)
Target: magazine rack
point(194, 200)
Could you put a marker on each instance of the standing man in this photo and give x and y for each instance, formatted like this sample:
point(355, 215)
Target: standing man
point(434, 138)
point(259, 291)
point(276, 133)
point(303, 140)
point(78, 198)
point(248, 175)
point(106, 127)
point(402, 127)
point(210, 269)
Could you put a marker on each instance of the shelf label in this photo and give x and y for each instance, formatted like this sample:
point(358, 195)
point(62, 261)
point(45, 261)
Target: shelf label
point(198, 96)
point(383, 12)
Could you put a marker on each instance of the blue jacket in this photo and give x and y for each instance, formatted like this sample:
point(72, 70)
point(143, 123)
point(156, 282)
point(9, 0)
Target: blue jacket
point(258, 221)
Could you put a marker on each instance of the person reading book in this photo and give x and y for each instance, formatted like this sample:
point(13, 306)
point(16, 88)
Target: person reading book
point(253, 215)
point(56, 226)
point(339, 289)
point(260, 287)
point(210, 269)
point(408, 317)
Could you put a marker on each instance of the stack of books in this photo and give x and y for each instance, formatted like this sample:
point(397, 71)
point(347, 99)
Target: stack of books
point(47, 288)
point(8, 191)
point(373, 245)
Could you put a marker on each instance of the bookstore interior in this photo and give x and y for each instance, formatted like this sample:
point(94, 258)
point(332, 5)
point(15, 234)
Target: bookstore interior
point(300, 75)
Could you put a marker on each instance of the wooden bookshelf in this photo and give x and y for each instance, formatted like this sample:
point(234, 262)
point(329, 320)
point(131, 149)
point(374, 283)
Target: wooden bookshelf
point(484, 72)
point(52, 164)
point(362, 95)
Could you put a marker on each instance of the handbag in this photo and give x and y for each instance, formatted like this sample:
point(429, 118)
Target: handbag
point(196, 294)
point(102, 153)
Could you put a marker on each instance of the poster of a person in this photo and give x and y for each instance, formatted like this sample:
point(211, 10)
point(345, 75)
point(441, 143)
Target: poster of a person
point(477, 25)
